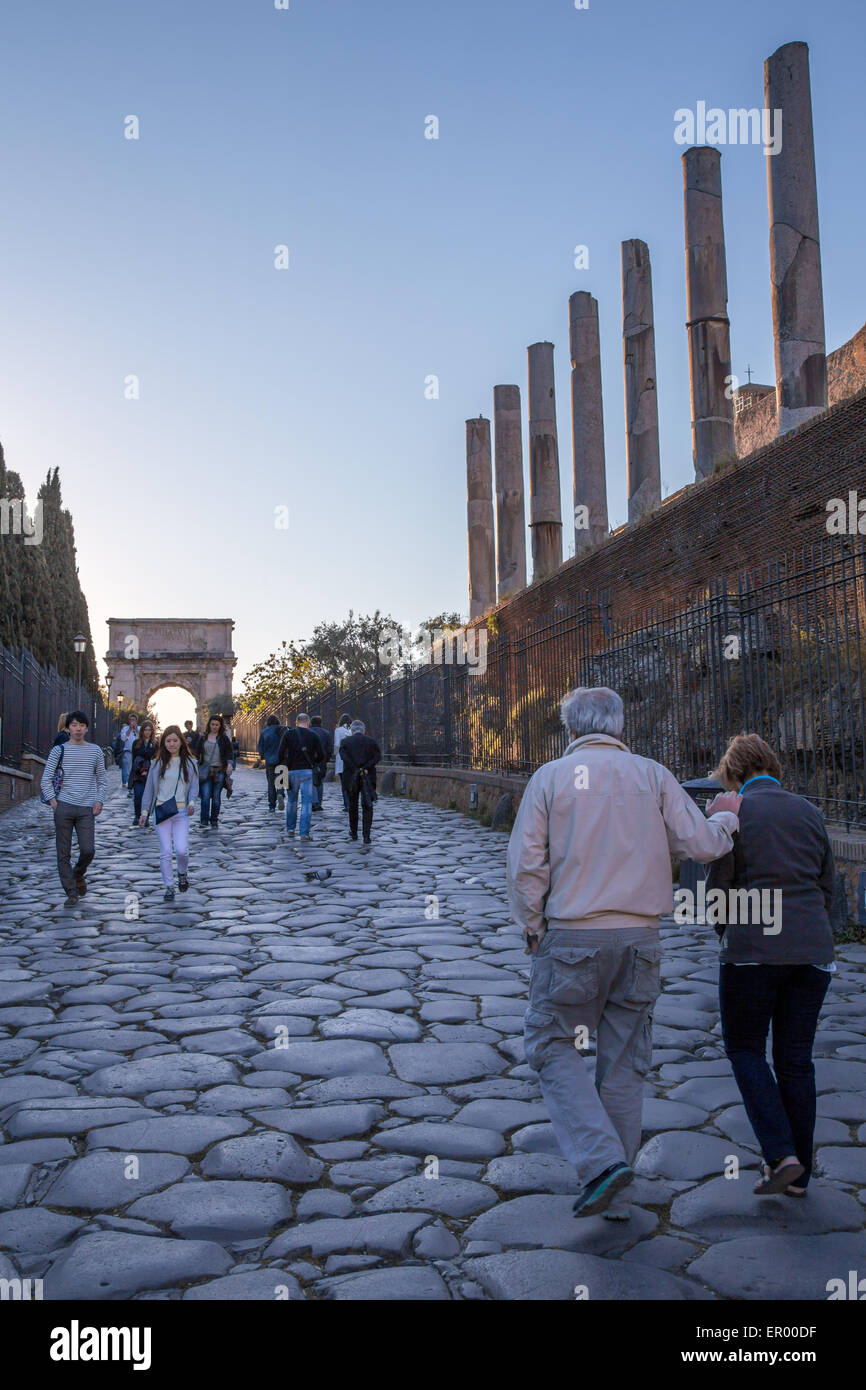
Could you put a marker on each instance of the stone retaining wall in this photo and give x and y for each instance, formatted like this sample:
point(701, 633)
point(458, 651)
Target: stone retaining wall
point(17, 785)
point(484, 794)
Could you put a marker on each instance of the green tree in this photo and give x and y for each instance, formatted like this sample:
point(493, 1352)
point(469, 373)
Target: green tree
point(225, 704)
point(347, 652)
point(285, 674)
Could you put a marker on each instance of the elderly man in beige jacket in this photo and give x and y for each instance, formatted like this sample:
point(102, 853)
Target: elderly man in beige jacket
point(589, 875)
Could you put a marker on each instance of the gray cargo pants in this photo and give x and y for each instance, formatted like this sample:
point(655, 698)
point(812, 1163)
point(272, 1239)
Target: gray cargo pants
point(80, 819)
point(604, 982)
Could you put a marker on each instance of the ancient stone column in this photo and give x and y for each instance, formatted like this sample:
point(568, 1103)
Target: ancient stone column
point(545, 508)
point(510, 510)
point(795, 251)
point(587, 423)
point(641, 403)
point(479, 507)
point(707, 321)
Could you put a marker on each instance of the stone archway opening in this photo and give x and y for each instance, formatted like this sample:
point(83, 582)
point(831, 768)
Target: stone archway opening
point(173, 703)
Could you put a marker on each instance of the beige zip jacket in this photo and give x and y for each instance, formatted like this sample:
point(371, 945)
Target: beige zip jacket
point(593, 837)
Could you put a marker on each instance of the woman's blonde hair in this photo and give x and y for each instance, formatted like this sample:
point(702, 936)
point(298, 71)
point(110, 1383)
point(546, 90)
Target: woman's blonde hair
point(747, 755)
point(61, 723)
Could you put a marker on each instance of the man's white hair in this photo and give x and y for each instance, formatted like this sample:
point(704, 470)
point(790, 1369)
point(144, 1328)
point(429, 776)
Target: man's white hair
point(358, 727)
point(592, 710)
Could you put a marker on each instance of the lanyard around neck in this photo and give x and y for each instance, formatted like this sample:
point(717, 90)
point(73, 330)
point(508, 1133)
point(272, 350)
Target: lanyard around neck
point(761, 777)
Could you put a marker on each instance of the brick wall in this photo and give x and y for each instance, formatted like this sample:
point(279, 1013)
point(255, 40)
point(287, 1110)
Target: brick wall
point(755, 421)
point(15, 787)
point(765, 506)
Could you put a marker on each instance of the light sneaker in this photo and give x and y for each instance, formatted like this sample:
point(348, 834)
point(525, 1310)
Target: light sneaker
point(618, 1210)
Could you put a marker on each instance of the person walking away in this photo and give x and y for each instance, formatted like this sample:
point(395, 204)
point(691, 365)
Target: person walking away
point(327, 742)
point(128, 735)
point(170, 792)
point(340, 733)
point(143, 751)
point(360, 755)
point(300, 753)
point(268, 748)
point(776, 956)
point(62, 735)
point(76, 801)
point(192, 737)
point(589, 875)
point(214, 760)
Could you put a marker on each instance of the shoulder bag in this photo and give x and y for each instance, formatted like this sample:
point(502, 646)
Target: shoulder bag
point(167, 809)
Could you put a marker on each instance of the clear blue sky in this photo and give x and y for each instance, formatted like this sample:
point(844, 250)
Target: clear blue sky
point(305, 388)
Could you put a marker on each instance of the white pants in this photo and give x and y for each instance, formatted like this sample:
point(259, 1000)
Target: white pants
point(175, 829)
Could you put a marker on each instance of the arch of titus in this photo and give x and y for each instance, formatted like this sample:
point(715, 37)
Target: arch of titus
point(146, 654)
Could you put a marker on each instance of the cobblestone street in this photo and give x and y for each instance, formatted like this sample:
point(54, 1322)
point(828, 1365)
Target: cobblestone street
point(304, 1079)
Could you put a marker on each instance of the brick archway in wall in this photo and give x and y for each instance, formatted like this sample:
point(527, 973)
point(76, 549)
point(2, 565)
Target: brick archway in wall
point(145, 654)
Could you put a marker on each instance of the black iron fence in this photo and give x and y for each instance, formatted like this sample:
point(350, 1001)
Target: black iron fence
point(779, 652)
point(32, 698)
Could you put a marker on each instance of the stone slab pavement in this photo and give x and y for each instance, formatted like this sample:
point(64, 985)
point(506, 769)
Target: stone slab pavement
point(304, 1079)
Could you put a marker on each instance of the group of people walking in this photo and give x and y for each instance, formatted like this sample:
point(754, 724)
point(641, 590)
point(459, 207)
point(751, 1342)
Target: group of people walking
point(164, 776)
point(296, 763)
point(589, 876)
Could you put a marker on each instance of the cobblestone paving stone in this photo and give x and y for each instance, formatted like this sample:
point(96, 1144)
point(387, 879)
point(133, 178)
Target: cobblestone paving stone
point(248, 1093)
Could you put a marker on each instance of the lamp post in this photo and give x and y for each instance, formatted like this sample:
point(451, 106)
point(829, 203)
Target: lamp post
point(108, 679)
point(80, 645)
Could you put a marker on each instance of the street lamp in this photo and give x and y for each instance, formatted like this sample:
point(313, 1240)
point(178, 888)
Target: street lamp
point(80, 645)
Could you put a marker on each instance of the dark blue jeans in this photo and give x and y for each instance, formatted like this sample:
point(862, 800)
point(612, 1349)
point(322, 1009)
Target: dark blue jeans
point(781, 1108)
point(211, 791)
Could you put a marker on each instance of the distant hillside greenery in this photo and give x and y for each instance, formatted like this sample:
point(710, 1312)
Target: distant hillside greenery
point(42, 606)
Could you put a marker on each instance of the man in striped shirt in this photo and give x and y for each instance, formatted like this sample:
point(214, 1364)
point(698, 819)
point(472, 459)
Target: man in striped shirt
point(78, 802)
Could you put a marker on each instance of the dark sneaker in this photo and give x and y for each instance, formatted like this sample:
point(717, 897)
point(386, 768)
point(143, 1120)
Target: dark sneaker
point(281, 805)
point(598, 1194)
point(291, 834)
point(305, 837)
point(71, 900)
point(353, 837)
point(81, 885)
point(367, 840)
point(214, 825)
point(182, 882)
point(168, 895)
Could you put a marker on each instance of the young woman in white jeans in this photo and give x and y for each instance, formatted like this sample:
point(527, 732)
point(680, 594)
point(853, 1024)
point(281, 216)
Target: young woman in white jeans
point(173, 776)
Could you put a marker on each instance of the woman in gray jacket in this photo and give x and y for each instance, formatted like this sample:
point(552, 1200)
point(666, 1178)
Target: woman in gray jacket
point(773, 892)
point(170, 792)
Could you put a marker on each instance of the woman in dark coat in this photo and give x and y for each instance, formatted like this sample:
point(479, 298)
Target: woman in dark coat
point(215, 759)
point(774, 891)
point(143, 750)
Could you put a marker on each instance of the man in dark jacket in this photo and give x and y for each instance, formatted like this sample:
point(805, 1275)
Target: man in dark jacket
point(193, 738)
point(300, 754)
point(360, 755)
point(327, 743)
point(269, 749)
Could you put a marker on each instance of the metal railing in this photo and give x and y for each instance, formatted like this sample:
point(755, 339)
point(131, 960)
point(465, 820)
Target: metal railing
point(780, 651)
point(32, 698)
